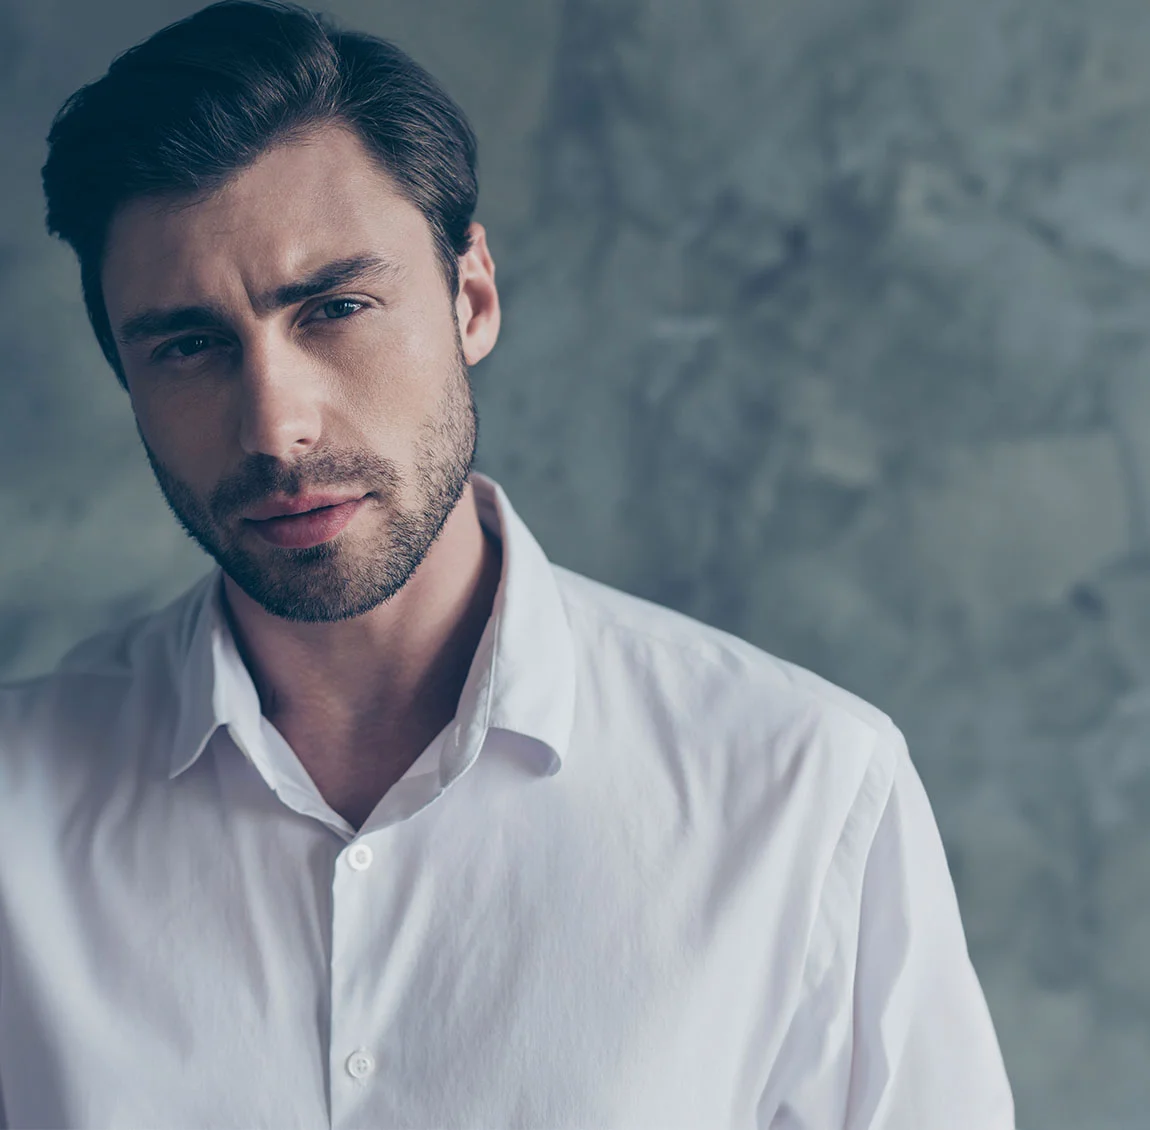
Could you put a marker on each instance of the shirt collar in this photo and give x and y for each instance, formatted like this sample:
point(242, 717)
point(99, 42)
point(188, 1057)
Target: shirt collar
point(522, 678)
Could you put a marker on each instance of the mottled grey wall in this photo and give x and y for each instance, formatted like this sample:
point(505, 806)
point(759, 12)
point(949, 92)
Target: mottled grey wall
point(826, 322)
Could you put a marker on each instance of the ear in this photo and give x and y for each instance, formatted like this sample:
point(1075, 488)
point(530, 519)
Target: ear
point(477, 304)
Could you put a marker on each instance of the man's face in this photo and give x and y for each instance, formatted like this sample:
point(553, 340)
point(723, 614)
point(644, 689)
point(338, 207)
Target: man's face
point(290, 345)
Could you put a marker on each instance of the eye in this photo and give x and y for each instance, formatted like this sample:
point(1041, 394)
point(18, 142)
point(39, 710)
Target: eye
point(337, 308)
point(186, 347)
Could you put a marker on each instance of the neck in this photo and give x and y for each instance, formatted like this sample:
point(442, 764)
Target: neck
point(398, 669)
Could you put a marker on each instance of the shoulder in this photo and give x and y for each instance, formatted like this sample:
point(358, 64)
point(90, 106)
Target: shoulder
point(748, 730)
point(723, 736)
point(679, 654)
point(78, 711)
point(141, 644)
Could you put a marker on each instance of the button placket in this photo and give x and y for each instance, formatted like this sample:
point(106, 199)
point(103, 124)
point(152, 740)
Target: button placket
point(357, 1055)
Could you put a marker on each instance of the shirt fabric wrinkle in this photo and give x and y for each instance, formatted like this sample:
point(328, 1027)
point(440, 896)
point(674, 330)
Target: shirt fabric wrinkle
point(649, 877)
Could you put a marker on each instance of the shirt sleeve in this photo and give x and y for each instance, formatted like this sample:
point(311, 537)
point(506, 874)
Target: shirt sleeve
point(899, 1036)
point(3, 1112)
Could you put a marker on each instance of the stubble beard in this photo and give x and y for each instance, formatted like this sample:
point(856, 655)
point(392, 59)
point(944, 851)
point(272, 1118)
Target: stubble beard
point(330, 582)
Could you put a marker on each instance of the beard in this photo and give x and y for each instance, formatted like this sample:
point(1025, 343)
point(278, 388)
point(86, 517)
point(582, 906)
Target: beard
point(331, 581)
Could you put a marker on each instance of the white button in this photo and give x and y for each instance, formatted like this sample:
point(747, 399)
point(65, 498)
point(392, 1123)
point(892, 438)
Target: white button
point(360, 1064)
point(360, 857)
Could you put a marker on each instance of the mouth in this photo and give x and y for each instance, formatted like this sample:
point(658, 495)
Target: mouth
point(288, 525)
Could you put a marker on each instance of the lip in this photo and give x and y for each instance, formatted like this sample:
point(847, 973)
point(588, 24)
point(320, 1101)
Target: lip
point(301, 529)
point(283, 505)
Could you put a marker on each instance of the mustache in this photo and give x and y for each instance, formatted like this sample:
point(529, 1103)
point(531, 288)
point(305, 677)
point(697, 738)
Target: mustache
point(261, 476)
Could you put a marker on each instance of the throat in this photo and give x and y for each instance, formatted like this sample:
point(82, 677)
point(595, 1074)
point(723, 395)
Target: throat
point(354, 776)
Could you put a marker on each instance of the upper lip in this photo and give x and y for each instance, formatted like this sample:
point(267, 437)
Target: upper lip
point(281, 506)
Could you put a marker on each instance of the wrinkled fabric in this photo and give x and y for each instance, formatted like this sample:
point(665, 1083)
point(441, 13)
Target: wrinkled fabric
point(648, 877)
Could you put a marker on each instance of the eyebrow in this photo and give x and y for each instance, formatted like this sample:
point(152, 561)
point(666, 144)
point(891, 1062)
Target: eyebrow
point(155, 322)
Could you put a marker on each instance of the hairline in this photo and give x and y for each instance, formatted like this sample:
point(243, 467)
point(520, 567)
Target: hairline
point(301, 133)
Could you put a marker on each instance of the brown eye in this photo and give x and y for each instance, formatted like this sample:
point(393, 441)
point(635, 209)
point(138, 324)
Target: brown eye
point(187, 347)
point(190, 346)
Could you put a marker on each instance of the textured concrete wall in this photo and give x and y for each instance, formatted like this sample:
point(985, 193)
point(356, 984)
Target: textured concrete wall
point(827, 323)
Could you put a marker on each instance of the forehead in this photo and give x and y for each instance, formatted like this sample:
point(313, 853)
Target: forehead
point(302, 203)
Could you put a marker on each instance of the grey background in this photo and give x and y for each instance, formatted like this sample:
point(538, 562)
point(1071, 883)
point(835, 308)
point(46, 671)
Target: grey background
point(826, 322)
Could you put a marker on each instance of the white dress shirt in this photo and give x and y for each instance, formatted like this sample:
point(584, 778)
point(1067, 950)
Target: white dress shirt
point(648, 878)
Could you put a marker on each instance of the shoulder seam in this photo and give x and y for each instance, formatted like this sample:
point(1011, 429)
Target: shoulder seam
point(609, 619)
point(716, 642)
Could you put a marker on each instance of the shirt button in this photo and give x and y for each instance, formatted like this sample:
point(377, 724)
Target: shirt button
point(360, 1064)
point(360, 857)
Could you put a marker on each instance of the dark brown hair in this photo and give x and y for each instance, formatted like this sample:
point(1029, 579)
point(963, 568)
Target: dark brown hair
point(203, 98)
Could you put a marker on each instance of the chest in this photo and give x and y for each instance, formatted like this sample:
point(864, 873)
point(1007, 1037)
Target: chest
point(510, 956)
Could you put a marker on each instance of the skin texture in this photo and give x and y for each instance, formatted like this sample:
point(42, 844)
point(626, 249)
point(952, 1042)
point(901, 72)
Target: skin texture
point(359, 646)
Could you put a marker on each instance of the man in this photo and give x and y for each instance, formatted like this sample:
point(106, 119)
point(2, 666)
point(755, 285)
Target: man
point(389, 822)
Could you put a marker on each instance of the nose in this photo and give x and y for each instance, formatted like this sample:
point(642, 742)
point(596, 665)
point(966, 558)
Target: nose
point(281, 402)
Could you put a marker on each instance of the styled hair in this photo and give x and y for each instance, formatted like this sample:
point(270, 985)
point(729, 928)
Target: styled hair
point(200, 100)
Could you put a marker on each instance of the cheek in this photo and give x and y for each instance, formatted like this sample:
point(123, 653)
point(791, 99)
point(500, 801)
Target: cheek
point(186, 432)
point(393, 380)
